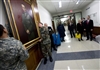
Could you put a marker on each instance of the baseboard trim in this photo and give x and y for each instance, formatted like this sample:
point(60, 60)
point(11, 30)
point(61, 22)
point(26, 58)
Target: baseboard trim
point(39, 64)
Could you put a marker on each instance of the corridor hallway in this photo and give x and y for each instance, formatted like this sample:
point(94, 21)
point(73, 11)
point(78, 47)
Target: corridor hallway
point(74, 55)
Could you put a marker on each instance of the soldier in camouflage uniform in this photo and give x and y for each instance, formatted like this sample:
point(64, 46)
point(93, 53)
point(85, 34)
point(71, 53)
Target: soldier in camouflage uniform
point(50, 34)
point(45, 43)
point(12, 52)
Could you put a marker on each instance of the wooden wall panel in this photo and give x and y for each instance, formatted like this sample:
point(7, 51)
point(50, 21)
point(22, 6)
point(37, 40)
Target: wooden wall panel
point(34, 58)
point(96, 30)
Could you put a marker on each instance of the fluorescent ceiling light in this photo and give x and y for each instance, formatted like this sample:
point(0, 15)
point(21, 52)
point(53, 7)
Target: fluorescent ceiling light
point(65, 16)
point(77, 1)
point(60, 4)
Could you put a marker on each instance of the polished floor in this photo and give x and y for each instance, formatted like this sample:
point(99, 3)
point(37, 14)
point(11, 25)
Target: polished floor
point(74, 55)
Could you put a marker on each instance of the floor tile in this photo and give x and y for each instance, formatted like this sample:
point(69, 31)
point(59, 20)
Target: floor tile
point(89, 64)
point(74, 55)
point(67, 65)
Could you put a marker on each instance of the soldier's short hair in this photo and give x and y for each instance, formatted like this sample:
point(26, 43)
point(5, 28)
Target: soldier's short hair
point(1, 29)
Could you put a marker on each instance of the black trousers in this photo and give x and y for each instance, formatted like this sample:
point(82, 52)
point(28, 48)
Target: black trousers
point(89, 34)
point(72, 33)
point(62, 38)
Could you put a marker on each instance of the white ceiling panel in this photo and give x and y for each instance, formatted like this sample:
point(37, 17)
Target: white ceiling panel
point(53, 5)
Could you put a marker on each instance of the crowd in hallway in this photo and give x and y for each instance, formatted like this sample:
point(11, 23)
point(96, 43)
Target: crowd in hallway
point(12, 49)
point(84, 29)
point(49, 34)
point(83, 26)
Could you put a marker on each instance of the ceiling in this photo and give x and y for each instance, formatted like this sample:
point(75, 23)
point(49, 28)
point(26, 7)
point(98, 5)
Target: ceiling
point(53, 5)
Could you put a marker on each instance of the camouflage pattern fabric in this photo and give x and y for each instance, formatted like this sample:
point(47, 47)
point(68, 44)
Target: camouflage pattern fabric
point(12, 54)
point(46, 42)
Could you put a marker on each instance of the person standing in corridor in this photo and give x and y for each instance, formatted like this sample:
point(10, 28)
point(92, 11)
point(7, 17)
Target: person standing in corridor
point(89, 28)
point(80, 29)
point(61, 31)
point(45, 43)
point(71, 28)
point(50, 33)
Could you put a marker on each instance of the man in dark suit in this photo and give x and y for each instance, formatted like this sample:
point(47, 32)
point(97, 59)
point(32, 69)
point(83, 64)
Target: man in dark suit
point(89, 28)
point(71, 28)
point(83, 23)
point(61, 31)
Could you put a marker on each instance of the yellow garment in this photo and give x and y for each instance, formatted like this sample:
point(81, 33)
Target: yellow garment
point(77, 35)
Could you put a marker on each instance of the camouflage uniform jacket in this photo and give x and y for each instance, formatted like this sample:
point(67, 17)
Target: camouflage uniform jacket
point(12, 54)
point(45, 36)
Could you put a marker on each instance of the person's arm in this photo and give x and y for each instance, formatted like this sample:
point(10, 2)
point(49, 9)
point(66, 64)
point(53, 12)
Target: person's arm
point(77, 27)
point(91, 24)
point(85, 25)
point(23, 53)
point(63, 27)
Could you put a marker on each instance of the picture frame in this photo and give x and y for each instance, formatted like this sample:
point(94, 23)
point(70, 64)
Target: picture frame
point(29, 1)
point(23, 21)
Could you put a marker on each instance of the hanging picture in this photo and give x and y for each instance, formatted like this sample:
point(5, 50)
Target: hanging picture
point(22, 20)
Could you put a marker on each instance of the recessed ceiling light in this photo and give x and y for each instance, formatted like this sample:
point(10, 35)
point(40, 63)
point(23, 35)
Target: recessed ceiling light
point(60, 4)
point(77, 1)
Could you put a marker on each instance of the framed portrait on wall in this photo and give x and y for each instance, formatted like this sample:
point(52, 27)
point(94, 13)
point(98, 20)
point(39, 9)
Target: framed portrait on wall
point(22, 20)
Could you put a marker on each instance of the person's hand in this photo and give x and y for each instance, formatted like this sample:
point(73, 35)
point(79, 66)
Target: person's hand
point(91, 29)
point(24, 47)
point(40, 40)
point(28, 32)
point(84, 29)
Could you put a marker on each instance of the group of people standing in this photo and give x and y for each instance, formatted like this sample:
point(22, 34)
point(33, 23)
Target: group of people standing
point(82, 26)
point(13, 53)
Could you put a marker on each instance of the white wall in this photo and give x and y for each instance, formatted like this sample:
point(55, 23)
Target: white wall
point(77, 17)
point(2, 14)
point(45, 16)
point(99, 11)
point(93, 8)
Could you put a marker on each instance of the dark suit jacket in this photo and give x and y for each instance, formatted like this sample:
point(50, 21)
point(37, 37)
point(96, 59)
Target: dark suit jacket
point(83, 23)
point(71, 27)
point(89, 25)
point(80, 27)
